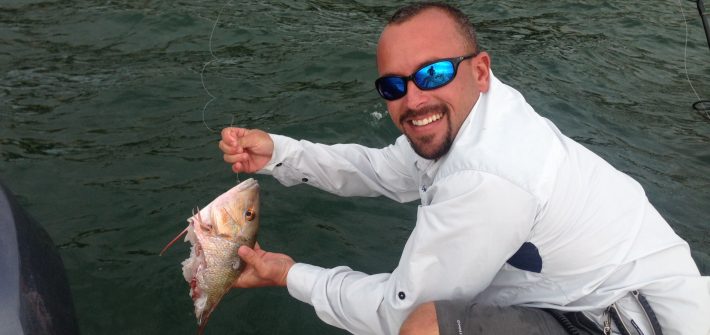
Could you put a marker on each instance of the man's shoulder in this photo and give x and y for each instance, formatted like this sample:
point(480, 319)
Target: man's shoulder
point(510, 141)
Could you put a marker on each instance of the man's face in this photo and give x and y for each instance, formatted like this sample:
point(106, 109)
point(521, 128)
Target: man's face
point(431, 119)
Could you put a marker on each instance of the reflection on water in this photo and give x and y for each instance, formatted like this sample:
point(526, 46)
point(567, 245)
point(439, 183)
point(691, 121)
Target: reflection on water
point(102, 133)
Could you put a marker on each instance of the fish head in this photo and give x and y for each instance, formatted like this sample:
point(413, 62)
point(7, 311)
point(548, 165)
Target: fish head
point(216, 233)
point(234, 215)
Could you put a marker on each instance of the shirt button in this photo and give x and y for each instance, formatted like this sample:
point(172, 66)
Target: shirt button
point(401, 295)
point(305, 180)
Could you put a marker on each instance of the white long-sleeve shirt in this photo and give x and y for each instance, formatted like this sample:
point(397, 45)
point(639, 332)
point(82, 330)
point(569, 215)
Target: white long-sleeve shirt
point(515, 214)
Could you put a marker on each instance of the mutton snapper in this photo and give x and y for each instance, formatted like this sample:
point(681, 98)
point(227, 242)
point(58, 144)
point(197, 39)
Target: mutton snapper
point(216, 232)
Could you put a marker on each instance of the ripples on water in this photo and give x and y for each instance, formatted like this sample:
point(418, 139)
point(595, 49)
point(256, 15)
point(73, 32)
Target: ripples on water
point(102, 134)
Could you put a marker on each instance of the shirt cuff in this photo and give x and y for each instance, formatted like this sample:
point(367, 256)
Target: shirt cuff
point(300, 281)
point(283, 147)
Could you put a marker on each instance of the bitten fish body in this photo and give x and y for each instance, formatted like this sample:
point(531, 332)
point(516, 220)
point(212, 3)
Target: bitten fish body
point(216, 232)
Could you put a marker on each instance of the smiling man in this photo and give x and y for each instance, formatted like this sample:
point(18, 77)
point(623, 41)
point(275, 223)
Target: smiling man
point(520, 229)
point(430, 117)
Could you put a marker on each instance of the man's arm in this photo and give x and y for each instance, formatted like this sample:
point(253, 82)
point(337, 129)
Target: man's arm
point(475, 223)
point(345, 169)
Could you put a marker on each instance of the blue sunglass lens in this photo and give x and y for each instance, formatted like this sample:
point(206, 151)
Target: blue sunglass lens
point(429, 77)
point(434, 75)
point(392, 88)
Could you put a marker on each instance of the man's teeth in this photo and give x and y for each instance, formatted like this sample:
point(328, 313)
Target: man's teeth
point(424, 122)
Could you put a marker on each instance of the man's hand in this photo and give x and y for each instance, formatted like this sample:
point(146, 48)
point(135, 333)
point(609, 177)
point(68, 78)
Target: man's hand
point(263, 268)
point(248, 150)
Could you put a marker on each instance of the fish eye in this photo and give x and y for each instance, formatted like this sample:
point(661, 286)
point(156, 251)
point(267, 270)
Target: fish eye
point(250, 214)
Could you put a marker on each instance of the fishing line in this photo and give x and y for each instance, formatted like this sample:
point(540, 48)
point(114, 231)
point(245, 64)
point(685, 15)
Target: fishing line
point(231, 124)
point(214, 59)
point(702, 106)
point(202, 73)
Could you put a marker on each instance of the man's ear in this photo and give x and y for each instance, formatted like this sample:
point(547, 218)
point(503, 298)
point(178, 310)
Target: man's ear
point(481, 67)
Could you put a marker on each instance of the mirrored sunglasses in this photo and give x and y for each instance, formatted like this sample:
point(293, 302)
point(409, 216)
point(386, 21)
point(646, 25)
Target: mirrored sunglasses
point(428, 77)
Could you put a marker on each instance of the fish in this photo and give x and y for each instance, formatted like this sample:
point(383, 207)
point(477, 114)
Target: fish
point(216, 232)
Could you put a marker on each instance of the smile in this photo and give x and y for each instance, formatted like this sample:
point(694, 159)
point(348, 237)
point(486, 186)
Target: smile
point(428, 120)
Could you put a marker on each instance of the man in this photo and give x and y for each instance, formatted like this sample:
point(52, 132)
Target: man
point(521, 230)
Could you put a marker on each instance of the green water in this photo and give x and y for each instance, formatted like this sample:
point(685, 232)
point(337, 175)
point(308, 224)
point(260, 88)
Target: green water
point(102, 134)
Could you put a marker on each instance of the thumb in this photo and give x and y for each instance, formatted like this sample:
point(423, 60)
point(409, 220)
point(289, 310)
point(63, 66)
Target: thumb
point(255, 138)
point(248, 139)
point(247, 254)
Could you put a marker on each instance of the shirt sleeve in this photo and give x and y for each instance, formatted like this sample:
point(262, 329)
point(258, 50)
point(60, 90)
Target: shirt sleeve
point(345, 169)
point(475, 222)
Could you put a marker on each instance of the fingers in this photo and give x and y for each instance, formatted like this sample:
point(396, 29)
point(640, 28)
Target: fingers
point(229, 144)
point(242, 157)
point(252, 256)
point(233, 150)
point(241, 165)
point(232, 134)
point(237, 141)
point(229, 148)
point(229, 138)
point(267, 269)
point(254, 259)
point(249, 138)
point(248, 150)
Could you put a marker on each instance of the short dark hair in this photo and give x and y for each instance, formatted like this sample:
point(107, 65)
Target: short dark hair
point(465, 26)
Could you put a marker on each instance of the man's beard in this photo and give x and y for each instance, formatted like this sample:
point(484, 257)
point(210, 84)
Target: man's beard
point(419, 144)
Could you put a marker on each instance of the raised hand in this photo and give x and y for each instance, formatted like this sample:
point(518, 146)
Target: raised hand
point(248, 150)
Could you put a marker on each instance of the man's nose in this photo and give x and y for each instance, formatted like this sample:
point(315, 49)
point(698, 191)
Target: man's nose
point(415, 96)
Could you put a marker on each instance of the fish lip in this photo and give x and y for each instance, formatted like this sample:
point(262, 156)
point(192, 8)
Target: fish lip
point(246, 185)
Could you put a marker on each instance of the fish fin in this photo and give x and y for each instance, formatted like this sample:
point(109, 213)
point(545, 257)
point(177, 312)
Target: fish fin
point(170, 244)
point(202, 320)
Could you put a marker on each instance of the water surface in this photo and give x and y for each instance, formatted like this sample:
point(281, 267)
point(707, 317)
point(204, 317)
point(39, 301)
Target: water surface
point(104, 139)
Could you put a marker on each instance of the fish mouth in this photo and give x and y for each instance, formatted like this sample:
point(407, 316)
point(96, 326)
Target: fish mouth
point(246, 185)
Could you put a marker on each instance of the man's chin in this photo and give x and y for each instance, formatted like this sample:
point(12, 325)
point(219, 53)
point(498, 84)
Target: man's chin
point(426, 149)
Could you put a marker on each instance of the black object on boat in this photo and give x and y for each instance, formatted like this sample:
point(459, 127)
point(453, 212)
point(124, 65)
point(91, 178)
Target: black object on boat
point(703, 106)
point(704, 18)
point(34, 292)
